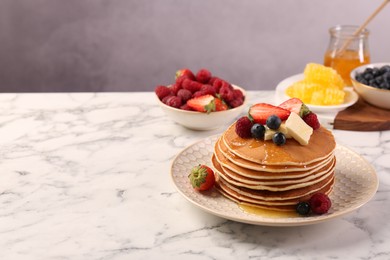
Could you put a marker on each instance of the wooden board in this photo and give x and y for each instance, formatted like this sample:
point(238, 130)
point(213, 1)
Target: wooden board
point(363, 117)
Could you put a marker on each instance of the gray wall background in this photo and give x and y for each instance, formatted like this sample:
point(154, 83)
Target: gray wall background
point(130, 45)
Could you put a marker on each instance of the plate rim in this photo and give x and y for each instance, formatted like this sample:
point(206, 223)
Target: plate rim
point(276, 222)
point(281, 96)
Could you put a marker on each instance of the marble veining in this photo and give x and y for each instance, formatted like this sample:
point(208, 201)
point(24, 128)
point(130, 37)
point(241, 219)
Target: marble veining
point(87, 176)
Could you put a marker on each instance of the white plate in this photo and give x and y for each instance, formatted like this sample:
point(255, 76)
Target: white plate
point(350, 96)
point(355, 184)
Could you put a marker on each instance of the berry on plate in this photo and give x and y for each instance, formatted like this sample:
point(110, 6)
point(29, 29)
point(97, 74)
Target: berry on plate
point(261, 111)
point(320, 203)
point(243, 127)
point(312, 120)
point(279, 138)
point(258, 131)
point(202, 178)
point(303, 208)
point(273, 122)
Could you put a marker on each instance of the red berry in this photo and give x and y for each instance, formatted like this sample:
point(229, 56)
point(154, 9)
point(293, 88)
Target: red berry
point(238, 94)
point(162, 91)
point(320, 203)
point(191, 85)
point(164, 100)
point(184, 94)
point(212, 80)
point(226, 92)
point(179, 80)
point(312, 120)
point(236, 102)
point(186, 107)
point(203, 76)
point(175, 88)
point(243, 127)
point(174, 101)
point(208, 89)
point(186, 73)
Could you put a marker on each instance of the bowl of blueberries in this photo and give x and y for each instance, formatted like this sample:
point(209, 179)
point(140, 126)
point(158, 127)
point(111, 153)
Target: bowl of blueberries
point(372, 83)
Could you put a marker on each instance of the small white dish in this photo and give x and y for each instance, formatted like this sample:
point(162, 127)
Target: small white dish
point(351, 97)
point(203, 121)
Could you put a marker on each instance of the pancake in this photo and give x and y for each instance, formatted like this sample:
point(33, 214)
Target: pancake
point(321, 144)
point(261, 174)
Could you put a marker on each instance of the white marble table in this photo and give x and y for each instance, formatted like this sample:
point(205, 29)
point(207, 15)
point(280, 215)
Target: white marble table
point(86, 176)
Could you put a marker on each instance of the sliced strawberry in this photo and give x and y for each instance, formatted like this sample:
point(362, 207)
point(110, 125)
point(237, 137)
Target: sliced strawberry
point(261, 111)
point(295, 105)
point(205, 103)
point(220, 105)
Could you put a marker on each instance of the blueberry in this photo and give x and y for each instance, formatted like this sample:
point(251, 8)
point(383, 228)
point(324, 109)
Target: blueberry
point(368, 70)
point(368, 76)
point(384, 69)
point(303, 208)
point(273, 122)
point(258, 131)
point(279, 138)
point(379, 80)
point(376, 72)
point(386, 77)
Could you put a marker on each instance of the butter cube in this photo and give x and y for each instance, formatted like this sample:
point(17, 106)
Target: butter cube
point(298, 129)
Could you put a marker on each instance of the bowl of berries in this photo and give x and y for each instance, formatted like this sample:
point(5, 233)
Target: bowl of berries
point(372, 83)
point(201, 101)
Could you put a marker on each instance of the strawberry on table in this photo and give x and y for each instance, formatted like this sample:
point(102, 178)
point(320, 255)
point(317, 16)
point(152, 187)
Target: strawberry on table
point(206, 103)
point(202, 177)
point(261, 111)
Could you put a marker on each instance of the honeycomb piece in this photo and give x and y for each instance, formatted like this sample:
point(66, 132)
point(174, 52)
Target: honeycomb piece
point(317, 73)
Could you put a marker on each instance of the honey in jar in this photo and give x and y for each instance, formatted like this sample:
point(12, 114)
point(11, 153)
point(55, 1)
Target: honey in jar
point(347, 51)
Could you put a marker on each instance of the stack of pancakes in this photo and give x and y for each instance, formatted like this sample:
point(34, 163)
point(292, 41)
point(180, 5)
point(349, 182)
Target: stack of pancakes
point(261, 174)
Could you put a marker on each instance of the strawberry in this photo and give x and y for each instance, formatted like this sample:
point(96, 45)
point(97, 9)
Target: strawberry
point(295, 105)
point(202, 177)
point(185, 72)
point(220, 105)
point(206, 103)
point(261, 111)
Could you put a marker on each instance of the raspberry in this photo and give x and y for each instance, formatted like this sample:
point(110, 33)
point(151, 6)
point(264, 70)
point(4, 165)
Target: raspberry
point(226, 92)
point(312, 120)
point(162, 91)
point(236, 102)
point(186, 107)
point(208, 89)
point(179, 80)
point(238, 94)
point(198, 94)
point(191, 85)
point(203, 76)
point(184, 94)
point(243, 127)
point(174, 101)
point(218, 83)
point(212, 80)
point(175, 88)
point(164, 100)
point(320, 203)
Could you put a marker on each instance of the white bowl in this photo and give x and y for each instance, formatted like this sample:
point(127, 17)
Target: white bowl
point(203, 121)
point(374, 96)
point(350, 96)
